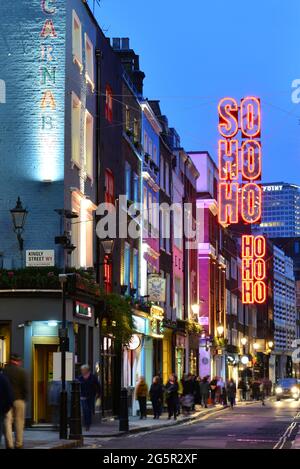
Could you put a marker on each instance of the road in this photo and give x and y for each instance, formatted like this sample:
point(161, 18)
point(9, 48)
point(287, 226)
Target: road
point(244, 427)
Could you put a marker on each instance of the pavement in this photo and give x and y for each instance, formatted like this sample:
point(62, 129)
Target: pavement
point(43, 437)
point(273, 426)
point(249, 424)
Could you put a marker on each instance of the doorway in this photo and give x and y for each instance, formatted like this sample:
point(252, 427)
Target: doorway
point(43, 375)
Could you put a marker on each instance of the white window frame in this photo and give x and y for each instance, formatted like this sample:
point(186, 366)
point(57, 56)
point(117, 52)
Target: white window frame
point(75, 131)
point(77, 48)
point(89, 145)
point(89, 62)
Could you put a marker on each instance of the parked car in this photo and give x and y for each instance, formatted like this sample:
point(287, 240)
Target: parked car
point(287, 388)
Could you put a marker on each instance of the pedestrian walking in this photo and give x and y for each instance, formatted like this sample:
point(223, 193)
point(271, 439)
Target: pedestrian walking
point(204, 390)
point(6, 400)
point(18, 380)
point(242, 386)
point(172, 396)
point(231, 392)
point(198, 397)
point(89, 391)
point(187, 394)
point(141, 394)
point(255, 389)
point(156, 395)
point(262, 392)
point(221, 394)
point(213, 389)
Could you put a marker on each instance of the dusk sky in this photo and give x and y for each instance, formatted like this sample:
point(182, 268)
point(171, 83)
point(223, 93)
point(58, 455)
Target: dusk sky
point(183, 48)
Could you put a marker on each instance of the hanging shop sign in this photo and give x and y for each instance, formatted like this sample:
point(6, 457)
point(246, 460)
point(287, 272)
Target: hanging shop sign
point(38, 258)
point(156, 321)
point(240, 194)
point(134, 343)
point(83, 310)
point(156, 288)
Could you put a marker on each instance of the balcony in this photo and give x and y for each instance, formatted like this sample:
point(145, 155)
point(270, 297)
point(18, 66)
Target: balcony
point(46, 280)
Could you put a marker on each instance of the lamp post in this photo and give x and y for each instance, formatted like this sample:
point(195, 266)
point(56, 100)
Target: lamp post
point(19, 214)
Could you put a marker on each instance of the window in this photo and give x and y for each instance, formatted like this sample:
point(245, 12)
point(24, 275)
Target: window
point(89, 144)
point(146, 150)
point(136, 188)
point(108, 104)
point(75, 232)
point(145, 207)
point(89, 251)
point(233, 268)
point(127, 266)
point(162, 173)
point(167, 178)
point(109, 187)
point(177, 298)
point(89, 62)
point(154, 156)
point(136, 130)
point(128, 180)
point(150, 148)
point(168, 290)
point(127, 118)
point(136, 270)
point(107, 271)
point(77, 41)
point(76, 125)
point(82, 232)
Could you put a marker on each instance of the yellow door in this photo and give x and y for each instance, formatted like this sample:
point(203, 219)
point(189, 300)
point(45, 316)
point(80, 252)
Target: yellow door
point(43, 375)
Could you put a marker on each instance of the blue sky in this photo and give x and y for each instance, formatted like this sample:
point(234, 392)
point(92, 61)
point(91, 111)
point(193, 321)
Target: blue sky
point(197, 51)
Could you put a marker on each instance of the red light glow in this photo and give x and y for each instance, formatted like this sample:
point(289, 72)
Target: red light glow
point(254, 289)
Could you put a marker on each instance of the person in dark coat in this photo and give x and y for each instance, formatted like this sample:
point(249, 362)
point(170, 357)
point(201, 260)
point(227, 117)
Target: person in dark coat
point(156, 395)
point(172, 396)
point(231, 392)
point(89, 391)
point(204, 390)
point(243, 388)
point(15, 417)
point(213, 389)
point(197, 390)
point(6, 400)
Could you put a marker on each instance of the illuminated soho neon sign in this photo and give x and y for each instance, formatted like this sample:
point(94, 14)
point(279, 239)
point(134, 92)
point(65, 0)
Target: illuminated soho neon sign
point(240, 195)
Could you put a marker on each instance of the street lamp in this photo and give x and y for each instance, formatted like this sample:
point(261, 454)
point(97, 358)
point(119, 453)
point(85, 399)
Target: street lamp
point(271, 344)
point(256, 346)
point(220, 330)
point(244, 341)
point(19, 214)
point(108, 246)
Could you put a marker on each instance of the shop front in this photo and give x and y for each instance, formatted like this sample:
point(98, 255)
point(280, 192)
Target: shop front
point(180, 355)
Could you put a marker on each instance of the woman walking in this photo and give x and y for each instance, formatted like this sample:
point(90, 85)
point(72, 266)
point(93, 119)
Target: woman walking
point(89, 391)
point(156, 396)
point(172, 396)
point(231, 392)
point(204, 390)
point(141, 393)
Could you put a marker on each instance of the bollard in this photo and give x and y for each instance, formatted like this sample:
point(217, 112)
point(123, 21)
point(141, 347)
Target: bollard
point(75, 419)
point(123, 422)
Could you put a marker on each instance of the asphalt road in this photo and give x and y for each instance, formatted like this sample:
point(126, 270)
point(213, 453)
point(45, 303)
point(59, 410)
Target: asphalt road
point(244, 427)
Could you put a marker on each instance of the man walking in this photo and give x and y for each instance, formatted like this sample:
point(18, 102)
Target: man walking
point(6, 400)
point(17, 377)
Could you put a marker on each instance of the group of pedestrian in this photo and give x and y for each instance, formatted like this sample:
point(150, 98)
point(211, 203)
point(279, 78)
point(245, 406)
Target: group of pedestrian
point(13, 395)
point(183, 395)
